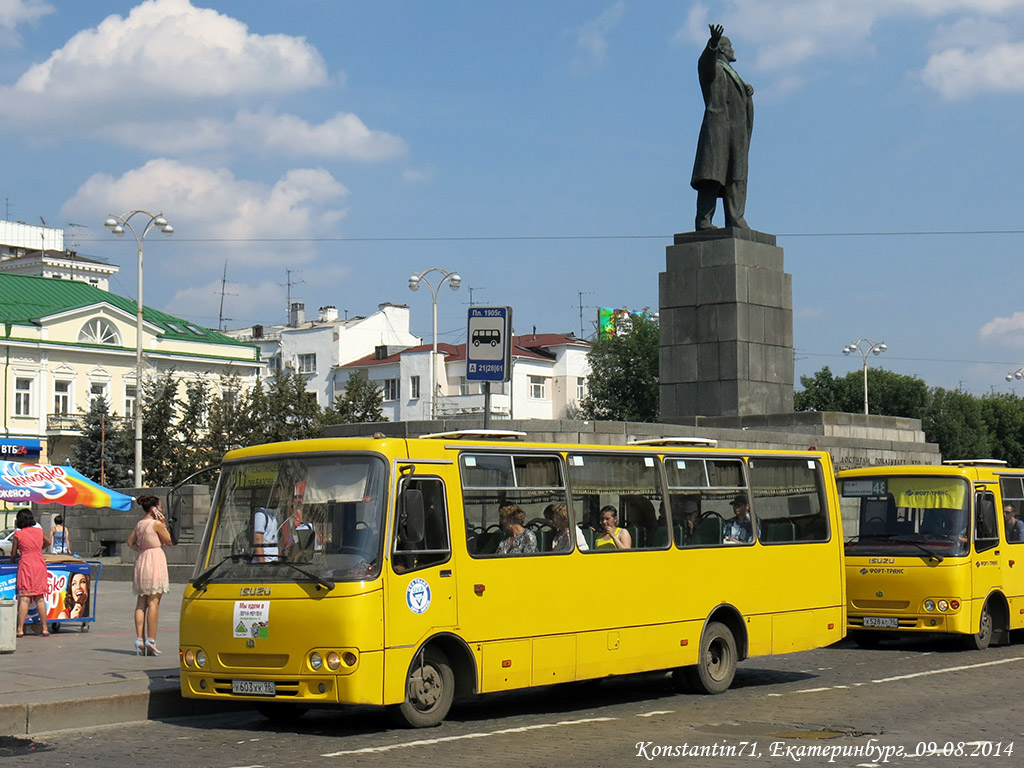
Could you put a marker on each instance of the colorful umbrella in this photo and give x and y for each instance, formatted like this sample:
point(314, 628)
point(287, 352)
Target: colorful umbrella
point(53, 484)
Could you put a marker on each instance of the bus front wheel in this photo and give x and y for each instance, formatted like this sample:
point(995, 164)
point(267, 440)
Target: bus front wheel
point(716, 665)
point(980, 640)
point(429, 691)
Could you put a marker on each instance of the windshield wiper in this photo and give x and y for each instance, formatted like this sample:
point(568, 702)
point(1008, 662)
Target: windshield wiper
point(907, 540)
point(200, 581)
point(321, 581)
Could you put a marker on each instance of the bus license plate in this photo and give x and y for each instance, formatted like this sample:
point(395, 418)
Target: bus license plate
point(885, 622)
point(253, 687)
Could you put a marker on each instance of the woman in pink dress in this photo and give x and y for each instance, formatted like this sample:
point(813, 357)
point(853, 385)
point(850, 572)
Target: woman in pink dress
point(27, 551)
point(151, 580)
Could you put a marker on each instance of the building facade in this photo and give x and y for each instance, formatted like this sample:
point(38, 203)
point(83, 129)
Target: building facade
point(548, 381)
point(65, 342)
point(319, 349)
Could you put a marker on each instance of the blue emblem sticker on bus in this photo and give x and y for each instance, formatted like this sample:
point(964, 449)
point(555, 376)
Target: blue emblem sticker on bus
point(417, 596)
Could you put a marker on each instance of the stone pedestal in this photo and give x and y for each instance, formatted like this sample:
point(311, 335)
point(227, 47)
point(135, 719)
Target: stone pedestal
point(726, 317)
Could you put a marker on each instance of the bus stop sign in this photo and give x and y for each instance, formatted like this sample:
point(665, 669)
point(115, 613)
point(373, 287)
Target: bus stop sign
point(489, 344)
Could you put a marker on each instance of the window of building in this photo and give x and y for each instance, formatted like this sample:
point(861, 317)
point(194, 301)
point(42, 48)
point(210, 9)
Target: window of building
point(538, 388)
point(391, 389)
point(97, 389)
point(129, 402)
point(23, 397)
point(581, 387)
point(61, 398)
point(274, 363)
point(99, 331)
point(414, 387)
point(307, 363)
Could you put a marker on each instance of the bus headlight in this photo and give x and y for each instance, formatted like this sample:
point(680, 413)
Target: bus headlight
point(200, 658)
point(333, 660)
point(316, 661)
point(189, 658)
point(929, 605)
point(943, 605)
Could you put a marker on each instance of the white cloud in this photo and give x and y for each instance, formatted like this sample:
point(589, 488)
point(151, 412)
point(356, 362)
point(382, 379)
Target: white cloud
point(960, 73)
point(16, 12)
point(203, 203)
point(418, 175)
point(976, 40)
point(163, 51)
point(1007, 330)
point(592, 37)
point(343, 136)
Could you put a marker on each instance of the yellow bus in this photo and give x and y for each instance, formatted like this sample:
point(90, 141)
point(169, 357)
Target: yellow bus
point(404, 571)
point(931, 550)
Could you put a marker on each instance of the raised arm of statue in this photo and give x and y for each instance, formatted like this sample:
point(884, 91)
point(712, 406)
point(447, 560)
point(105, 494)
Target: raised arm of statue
point(716, 34)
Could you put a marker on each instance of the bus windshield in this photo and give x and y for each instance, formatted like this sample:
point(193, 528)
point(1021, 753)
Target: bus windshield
point(296, 518)
point(906, 515)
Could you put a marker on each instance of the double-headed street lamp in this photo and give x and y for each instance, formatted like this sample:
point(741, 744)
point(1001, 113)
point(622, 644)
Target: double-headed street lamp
point(1018, 374)
point(865, 347)
point(117, 225)
point(454, 281)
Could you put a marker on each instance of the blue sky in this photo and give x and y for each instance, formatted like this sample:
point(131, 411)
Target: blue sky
point(541, 149)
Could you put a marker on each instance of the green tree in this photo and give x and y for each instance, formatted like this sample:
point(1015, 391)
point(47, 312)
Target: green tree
point(191, 427)
point(889, 394)
point(1003, 415)
point(292, 412)
point(230, 422)
point(159, 429)
point(955, 421)
point(360, 403)
point(102, 453)
point(623, 381)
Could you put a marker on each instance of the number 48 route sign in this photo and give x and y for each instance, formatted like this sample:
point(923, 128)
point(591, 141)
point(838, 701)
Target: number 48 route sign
point(489, 344)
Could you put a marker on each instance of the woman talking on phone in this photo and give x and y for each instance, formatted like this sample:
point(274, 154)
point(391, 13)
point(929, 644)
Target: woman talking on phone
point(151, 580)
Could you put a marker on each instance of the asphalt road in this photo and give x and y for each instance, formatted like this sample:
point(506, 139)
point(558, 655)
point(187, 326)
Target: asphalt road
point(917, 703)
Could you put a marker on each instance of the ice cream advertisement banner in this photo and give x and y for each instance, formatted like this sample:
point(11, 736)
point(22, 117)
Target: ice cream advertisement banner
point(251, 619)
point(68, 591)
point(54, 484)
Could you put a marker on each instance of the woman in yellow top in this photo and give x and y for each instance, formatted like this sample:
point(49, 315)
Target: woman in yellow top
point(613, 537)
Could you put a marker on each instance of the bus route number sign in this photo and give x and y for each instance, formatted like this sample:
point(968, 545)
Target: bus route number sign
point(489, 344)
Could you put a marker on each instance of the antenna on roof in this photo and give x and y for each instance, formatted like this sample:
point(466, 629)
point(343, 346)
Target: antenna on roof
point(72, 240)
point(289, 282)
point(223, 293)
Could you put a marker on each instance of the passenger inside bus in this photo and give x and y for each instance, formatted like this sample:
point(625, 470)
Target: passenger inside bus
point(519, 540)
point(557, 516)
point(613, 537)
point(1014, 526)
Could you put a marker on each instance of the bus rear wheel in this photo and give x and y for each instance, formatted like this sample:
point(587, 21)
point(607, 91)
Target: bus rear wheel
point(429, 691)
point(981, 639)
point(716, 665)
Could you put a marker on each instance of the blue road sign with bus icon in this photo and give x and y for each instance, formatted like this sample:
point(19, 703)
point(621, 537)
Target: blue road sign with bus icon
point(489, 344)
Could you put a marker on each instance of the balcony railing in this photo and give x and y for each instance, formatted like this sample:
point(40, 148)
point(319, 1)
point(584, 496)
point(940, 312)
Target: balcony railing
point(63, 422)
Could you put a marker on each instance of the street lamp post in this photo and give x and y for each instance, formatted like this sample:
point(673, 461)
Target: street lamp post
point(865, 347)
point(454, 281)
point(117, 225)
point(1018, 374)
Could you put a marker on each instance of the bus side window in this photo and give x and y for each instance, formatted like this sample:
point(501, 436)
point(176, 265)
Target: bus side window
point(434, 549)
point(986, 532)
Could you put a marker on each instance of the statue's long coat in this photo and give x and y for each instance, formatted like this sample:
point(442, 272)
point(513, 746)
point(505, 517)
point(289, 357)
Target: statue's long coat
point(728, 120)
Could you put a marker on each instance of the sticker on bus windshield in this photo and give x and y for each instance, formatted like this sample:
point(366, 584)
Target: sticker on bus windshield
point(417, 596)
point(251, 619)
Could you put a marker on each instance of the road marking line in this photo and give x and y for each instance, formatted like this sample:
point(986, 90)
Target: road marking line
point(656, 712)
point(949, 669)
point(479, 735)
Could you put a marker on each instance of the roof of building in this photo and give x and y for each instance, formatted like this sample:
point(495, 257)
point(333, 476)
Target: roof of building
point(532, 345)
point(26, 300)
point(61, 255)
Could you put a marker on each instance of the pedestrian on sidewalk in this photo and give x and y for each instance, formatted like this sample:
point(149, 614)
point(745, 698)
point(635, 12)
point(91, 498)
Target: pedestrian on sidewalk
point(61, 543)
point(27, 551)
point(151, 580)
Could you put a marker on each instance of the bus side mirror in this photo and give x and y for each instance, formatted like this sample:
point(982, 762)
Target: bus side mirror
point(411, 516)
